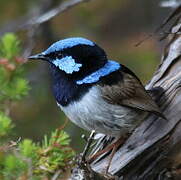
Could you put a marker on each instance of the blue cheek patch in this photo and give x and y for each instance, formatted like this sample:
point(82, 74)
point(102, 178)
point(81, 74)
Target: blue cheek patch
point(108, 68)
point(67, 64)
point(67, 43)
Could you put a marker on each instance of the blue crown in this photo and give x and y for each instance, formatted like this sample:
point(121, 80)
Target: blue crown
point(67, 43)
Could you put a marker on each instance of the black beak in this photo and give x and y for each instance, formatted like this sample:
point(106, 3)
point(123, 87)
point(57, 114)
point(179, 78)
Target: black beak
point(37, 56)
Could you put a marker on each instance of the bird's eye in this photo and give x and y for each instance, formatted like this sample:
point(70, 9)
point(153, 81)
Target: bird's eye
point(59, 55)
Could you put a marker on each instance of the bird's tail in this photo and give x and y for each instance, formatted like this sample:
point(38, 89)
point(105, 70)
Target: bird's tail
point(156, 93)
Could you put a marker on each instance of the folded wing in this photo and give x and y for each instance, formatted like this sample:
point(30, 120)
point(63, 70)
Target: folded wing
point(129, 91)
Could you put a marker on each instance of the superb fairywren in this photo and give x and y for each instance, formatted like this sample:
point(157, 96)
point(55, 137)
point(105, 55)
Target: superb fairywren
point(94, 92)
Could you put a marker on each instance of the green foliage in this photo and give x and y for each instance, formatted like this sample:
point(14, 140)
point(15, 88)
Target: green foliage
point(55, 152)
point(9, 46)
point(13, 84)
point(28, 149)
point(25, 159)
point(14, 167)
point(17, 89)
point(5, 125)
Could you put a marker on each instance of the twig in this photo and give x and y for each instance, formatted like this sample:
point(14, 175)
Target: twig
point(88, 144)
point(56, 175)
point(32, 24)
point(54, 12)
point(31, 34)
point(172, 15)
point(26, 23)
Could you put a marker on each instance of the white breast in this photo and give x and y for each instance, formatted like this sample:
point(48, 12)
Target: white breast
point(92, 112)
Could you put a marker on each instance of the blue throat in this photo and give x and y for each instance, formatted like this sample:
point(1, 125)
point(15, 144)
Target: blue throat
point(65, 90)
point(108, 68)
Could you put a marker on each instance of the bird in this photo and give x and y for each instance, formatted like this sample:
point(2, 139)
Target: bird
point(94, 92)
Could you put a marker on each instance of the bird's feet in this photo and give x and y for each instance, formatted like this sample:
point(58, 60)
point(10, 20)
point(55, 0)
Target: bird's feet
point(83, 162)
point(113, 148)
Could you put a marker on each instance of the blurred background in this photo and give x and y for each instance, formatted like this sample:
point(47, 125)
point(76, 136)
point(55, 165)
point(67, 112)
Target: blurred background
point(116, 25)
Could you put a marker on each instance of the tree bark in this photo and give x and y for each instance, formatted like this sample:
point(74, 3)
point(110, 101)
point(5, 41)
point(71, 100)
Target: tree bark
point(153, 151)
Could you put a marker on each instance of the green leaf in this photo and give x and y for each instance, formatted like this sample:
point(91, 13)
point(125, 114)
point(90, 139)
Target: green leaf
point(9, 46)
point(14, 167)
point(5, 125)
point(17, 88)
point(55, 153)
point(28, 149)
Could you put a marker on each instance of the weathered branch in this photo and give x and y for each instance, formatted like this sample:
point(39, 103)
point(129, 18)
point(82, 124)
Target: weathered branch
point(32, 24)
point(27, 21)
point(153, 151)
point(54, 12)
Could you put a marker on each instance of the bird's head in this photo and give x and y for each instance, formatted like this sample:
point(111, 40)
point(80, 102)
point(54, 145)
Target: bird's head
point(76, 55)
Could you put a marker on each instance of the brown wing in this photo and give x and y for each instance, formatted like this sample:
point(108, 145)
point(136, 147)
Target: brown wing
point(130, 92)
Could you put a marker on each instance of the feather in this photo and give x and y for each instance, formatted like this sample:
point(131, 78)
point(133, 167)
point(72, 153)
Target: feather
point(130, 92)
